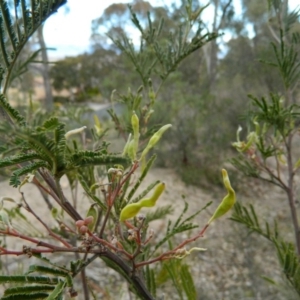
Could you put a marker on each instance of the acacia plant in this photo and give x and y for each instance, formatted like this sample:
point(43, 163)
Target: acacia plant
point(269, 152)
point(42, 152)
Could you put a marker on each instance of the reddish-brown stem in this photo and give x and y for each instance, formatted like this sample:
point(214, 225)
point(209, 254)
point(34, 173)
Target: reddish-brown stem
point(112, 196)
point(15, 233)
point(199, 235)
point(109, 245)
point(128, 225)
point(58, 196)
point(4, 251)
point(118, 189)
point(38, 184)
point(138, 240)
point(51, 233)
point(171, 253)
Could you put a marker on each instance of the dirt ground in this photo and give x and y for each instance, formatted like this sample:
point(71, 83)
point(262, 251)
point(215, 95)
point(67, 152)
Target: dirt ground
point(233, 264)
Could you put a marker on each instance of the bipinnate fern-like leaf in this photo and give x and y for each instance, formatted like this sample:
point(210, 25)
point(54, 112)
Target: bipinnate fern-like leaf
point(38, 287)
point(6, 18)
point(87, 158)
point(16, 27)
point(46, 147)
point(165, 54)
point(150, 280)
point(28, 279)
point(180, 225)
point(25, 290)
point(181, 278)
point(17, 159)
point(160, 213)
point(57, 292)
point(33, 287)
point(31, 168)
point(287, 256)
point(48, 270)
point(22, 296)
point(6, 108)
point(142, 176)
point(188, 282)
point(53, 290)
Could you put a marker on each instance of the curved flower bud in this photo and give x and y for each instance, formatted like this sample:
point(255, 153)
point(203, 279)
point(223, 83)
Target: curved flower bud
point(227, 202)
point(154, 140)
point(125, 150)
point(74, 131)
point(242, 146)
point(131, 210)
point(136, 133)
point(97, 125)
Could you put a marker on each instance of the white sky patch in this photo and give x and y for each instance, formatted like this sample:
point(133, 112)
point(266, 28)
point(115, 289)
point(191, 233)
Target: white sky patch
point(69, 31)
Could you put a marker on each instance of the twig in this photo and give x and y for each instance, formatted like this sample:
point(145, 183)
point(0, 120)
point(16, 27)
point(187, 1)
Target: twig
point(171, 253)
point(57, 193)
point(112, 198)
point(51, 233)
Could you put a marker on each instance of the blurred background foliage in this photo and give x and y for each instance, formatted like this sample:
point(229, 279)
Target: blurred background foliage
point(204, 99)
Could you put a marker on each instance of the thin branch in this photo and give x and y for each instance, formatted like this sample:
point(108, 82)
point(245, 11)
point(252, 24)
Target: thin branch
point(51, 233)
point(113, 197)
point(172, 253)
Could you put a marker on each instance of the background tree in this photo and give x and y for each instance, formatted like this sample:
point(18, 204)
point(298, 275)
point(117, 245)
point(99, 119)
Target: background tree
point(45, 70)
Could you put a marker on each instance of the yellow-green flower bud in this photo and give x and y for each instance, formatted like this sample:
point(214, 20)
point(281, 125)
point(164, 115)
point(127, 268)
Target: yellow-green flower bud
point(251, 139)
point(227, 202)
point(125, 150)
point(136, 133)
point(131, 210)
point(97, 125)
point(148, 115)
point(154, 139)
point(131, 150)
point(150, 202)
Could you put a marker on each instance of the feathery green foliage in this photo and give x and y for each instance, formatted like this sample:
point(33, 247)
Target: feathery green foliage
point(42, 149)
point(163, 56)
point(17, 29)
point(275, 123)
point(288, 258)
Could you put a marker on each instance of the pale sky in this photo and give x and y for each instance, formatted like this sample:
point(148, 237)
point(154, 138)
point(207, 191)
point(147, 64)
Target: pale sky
point(69, 30)
point(70, 36)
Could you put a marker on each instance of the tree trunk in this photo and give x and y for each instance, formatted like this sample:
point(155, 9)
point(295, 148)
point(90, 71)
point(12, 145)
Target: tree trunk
point(48, 104)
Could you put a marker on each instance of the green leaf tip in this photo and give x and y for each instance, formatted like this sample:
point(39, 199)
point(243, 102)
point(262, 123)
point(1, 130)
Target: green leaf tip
point(227, 202)
point(154, 140)
point(131, 210)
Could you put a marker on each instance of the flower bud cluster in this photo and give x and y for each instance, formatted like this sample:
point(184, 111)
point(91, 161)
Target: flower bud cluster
point(115, 171)
point(82, 224)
